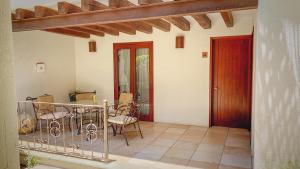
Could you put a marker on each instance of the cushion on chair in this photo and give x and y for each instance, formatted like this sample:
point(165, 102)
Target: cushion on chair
point(57, 115)
point(45, 108)
point(120, 119)
point(85, 96)
point(125, 98)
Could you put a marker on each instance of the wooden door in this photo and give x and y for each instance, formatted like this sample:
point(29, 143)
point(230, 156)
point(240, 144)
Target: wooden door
point(133, 72)
point(231, 81)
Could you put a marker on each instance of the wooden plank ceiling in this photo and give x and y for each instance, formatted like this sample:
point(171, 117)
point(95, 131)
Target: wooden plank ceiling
point(95, 18)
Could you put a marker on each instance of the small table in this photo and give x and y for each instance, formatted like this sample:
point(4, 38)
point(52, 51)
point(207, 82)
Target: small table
point(83, 104)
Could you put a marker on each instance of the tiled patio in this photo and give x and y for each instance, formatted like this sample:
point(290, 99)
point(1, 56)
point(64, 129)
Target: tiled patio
point(207, 148)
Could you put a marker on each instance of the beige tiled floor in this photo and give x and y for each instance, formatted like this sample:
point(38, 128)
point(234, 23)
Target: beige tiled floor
point(208, 148)
point(202, 147)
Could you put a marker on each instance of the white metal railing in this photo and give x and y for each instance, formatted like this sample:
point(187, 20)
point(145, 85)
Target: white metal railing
point(77, 130)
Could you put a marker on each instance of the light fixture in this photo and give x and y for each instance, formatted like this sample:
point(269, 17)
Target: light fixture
point(92, 46)
point(180, 42)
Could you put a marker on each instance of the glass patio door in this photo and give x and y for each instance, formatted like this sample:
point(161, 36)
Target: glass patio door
point(133, 66)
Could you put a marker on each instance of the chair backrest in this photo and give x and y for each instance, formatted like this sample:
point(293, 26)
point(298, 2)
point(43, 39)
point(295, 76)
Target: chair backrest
point(42, 109)
point(85, 96)
point(124, 104)
point(126, 98)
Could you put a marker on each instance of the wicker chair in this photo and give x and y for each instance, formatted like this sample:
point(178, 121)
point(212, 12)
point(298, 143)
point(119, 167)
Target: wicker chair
point(86, 96)
point(127, 113)
point(44, 111)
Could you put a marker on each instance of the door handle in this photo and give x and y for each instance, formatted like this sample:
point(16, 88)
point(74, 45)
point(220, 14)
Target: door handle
point(215, 88)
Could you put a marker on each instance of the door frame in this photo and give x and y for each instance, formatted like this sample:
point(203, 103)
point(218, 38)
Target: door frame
point(133, 45)
point(211, 69)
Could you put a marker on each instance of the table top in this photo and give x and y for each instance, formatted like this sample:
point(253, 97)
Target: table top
point(86, 102)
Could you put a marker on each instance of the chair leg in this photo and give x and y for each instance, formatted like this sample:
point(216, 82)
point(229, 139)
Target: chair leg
point(138, 124)
point(134, 126)
point(97, 119)
point(124, 134)
point(121, 129)
point(76, 119)
point(70, 127)
point(36, 124)
point(114, 130)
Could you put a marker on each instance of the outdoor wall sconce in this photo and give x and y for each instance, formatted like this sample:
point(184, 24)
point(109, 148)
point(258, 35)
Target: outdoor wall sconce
point(92, 46)
point(204, 54)
point(180, 42)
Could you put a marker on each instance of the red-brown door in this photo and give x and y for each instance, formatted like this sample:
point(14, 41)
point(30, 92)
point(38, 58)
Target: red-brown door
point(231, 81)
point(133, 72)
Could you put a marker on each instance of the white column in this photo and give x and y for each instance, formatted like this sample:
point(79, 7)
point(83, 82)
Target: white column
point(9, 154)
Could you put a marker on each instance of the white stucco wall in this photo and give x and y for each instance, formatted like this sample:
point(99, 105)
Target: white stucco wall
point(276, 107)
point(58, 54)
point(181, 76)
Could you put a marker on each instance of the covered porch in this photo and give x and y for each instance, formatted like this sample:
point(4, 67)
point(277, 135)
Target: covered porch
point(180, 145)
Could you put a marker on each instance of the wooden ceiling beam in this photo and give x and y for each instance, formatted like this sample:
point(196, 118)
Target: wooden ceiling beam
point(203, 20)
point(134, 13)
point(87, 30)
point(67, 8)
point(92, 5)
point(228, 18)
point(113, 32)
point(69, 32)
point(140, 26)
point(121, 28)
point(160, 24)
point(24, 13)
point(42, 11)
point(180, 21)
point(119, 3)
point(13, 16)
point(157, 23)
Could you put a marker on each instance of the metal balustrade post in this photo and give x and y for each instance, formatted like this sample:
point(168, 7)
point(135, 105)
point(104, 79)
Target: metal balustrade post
point(105, 143)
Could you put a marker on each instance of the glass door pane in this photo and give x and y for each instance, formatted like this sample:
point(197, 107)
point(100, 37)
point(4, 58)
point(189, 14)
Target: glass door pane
point(124, 70)
point(142, 78)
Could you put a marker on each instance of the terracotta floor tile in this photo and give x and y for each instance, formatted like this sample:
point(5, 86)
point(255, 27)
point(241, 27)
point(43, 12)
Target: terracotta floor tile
point(238, 142)
point(179, 153)
point(185, 145)
point(238, 151)
point(167, 135)
point(163, 142)
point(175, 130)
point(236, 161)
point(174, 160)
point(213, 148)
point(214, 140)
point(203, 165)
point(210, 157)
point(153, 149)
point(181, 126)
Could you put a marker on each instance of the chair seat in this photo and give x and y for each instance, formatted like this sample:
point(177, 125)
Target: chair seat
point(57, 115)
point(122, 119)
